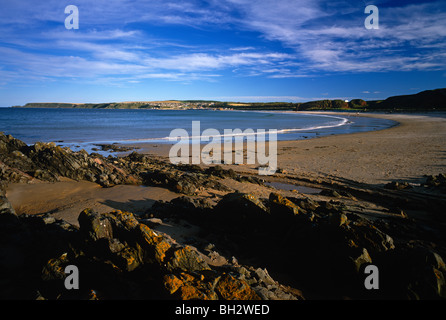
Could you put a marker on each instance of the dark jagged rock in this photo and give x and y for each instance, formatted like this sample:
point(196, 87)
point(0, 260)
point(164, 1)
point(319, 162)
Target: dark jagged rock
point(188, 183)
point(115, 147)
point(218, 171)
point(242, 204)
point(283, 210)
point(330, 193)
point(142, 263)
point(230, 288)
point(416, 271)
point(13, 175)
point(9, 144)
point(26, 244)
point(282, 206)
point(6, 208)
point(177, 182)
point(190, 287)
point(240, 212)
point(94, 225)
point(395, 185)
point(364, 233)
point(48, 162)
point(184, 207)
point(185, 259)
point(436, 182)
point(326, 254)
point(250, 179)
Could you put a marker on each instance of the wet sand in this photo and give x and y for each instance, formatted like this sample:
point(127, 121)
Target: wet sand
point(67, 198)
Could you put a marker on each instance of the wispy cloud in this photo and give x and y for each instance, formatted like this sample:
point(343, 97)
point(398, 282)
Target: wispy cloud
point(115, 39)
point(96, 60)
point(411, 37)
point(204, 61)
point(242, 49)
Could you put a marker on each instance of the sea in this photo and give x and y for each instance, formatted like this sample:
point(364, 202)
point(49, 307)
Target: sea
point(85, 128)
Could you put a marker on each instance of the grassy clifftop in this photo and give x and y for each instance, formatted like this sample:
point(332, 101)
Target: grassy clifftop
point(426, 100)
point(423, 101)
point(430, 99)
point(111, 105)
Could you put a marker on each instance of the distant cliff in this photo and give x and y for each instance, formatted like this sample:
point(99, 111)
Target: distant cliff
point(111, 105)
point(423, 101)
point(430, 99)
point(426, 100)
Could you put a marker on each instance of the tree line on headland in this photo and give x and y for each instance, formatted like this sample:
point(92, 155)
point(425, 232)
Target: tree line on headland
point(428, 100)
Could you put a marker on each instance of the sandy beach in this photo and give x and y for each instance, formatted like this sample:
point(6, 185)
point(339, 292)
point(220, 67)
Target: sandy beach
point(407, 152)
point(414, 148)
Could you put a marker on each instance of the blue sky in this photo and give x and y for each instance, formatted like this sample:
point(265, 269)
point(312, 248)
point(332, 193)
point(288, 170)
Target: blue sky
point(230, 50)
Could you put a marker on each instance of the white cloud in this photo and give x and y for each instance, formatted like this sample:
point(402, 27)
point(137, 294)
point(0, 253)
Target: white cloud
point(119, 64)
point(101, 51)
point(88, 35)
point(242, 49)
point(318, 36)
point(334, 39)
point(205, 61)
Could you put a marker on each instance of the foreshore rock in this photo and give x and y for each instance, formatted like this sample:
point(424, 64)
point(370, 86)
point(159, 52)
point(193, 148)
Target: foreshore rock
point(118, 258)
point(113, 148)
point(48, 162)
point(123, 258)
point(436, 182)
point(319, 245)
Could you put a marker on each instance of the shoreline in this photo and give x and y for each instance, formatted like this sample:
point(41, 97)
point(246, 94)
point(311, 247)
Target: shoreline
point(283, 132)
point(399, 153)
point(146, 147)
point(407, 150)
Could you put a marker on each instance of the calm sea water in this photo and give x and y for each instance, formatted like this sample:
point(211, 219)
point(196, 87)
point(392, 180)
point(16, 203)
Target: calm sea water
point(82, 128)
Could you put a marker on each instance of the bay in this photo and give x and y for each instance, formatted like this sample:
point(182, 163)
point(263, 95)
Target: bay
point(82, 128)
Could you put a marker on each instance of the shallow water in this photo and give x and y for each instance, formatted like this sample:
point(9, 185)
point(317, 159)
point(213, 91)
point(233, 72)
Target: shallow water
point(82, 128)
